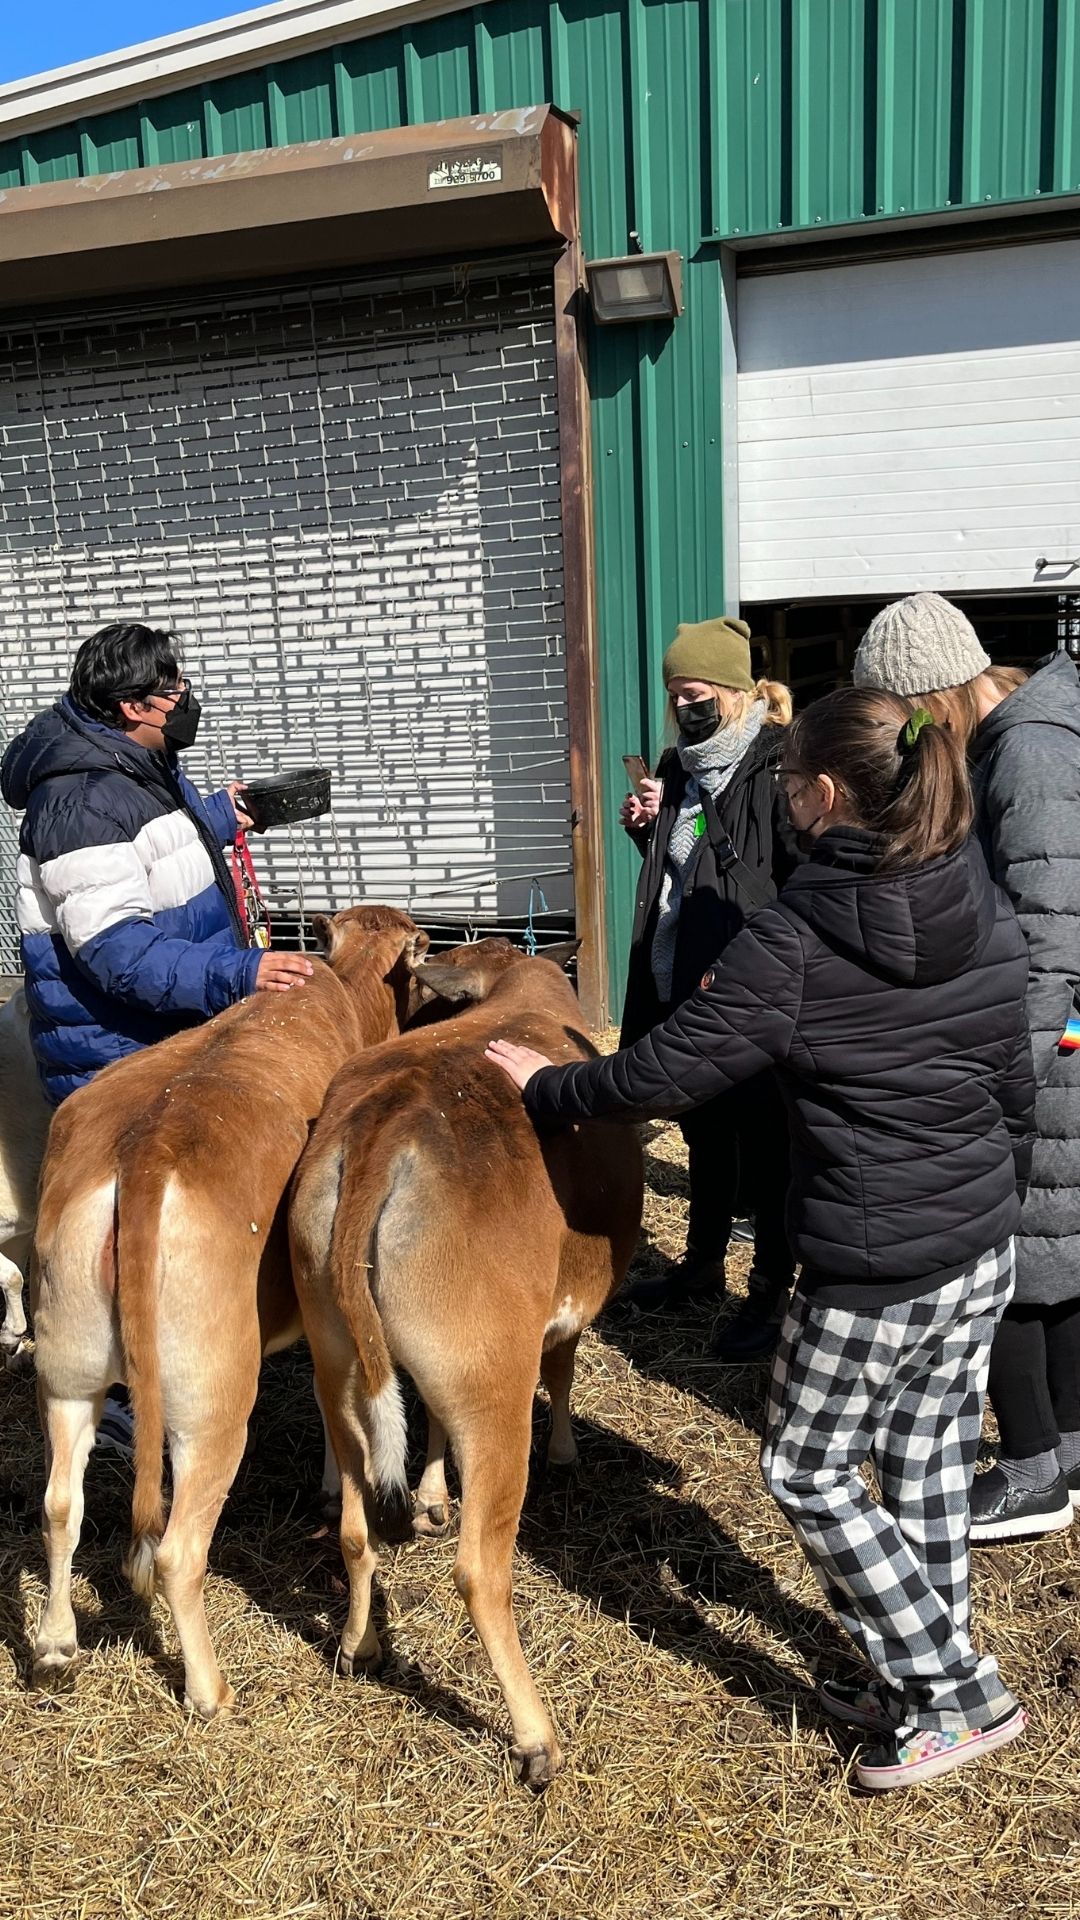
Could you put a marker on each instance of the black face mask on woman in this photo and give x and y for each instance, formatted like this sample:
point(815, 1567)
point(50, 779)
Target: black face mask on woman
point(805, 838)
point(802, 836)
point(183, 722)
point(698, 720)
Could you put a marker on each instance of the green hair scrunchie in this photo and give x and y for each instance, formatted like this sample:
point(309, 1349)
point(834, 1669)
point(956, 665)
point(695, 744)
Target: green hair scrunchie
point(911, 729)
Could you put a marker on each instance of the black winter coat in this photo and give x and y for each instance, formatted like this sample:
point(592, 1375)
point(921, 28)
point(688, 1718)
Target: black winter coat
point(1026, 775)
point(746, 855)
point(892, 1007)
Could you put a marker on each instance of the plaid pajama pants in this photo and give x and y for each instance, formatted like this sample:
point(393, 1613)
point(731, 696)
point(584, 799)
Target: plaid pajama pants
point(904, 1389)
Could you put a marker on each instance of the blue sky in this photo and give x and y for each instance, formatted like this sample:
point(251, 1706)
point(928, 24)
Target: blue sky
point(35, 38)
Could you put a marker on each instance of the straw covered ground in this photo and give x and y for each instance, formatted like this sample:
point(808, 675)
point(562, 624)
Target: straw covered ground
point(669, 1621)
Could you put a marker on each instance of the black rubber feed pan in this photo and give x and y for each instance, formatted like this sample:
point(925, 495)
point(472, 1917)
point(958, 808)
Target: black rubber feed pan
point(283, 797)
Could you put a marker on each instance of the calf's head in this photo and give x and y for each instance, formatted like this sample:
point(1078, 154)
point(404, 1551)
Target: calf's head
point(466, 975)
point(373, 948)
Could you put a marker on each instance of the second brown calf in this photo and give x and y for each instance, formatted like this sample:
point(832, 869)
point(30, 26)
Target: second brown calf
point(435, 1230)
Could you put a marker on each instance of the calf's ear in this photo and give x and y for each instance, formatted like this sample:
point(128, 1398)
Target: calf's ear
point(322, 926)
point(416, 947)
point(561, 953)
point(452, 983)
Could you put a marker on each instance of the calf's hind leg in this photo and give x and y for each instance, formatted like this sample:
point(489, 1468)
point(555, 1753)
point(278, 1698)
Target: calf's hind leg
point(431, 1502)
point(13, 1332)
point(335, 1378)
point(557, 1374)
point(491, 1446)
point(69, 1427)
point(204, 1468)
point(206, 1450)
point(330, 1485)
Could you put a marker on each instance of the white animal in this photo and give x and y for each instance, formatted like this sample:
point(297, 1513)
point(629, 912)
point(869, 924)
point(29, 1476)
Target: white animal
point(24, 1128)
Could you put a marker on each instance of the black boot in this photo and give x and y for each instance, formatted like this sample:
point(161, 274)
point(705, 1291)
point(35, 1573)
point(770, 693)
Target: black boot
point(696, 1277)
point(752, 1332)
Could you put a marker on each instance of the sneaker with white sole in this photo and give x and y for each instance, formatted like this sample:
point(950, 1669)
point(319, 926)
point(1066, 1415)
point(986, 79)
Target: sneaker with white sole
point(921, 1753)
point(1000, 1511)
point(865, 1706)
point(116, 1429)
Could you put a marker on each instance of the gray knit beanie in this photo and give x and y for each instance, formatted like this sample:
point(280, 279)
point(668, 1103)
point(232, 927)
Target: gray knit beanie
point(919, 645)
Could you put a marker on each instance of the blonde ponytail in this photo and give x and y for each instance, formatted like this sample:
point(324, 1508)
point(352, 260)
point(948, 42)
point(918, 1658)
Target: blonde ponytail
point(779, 705)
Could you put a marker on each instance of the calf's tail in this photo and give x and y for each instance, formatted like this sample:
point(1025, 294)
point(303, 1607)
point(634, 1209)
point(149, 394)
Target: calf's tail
point(363, 1190)
point(139, 1195)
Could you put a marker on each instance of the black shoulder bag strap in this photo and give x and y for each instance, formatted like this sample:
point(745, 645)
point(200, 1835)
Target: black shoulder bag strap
point(756, 891)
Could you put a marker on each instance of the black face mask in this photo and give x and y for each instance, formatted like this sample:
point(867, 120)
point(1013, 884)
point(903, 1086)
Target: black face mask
point(804, 836)
point(698, 720)
point(183, 722)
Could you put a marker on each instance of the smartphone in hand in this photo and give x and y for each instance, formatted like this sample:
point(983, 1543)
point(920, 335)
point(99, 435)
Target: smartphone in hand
point(636, 771)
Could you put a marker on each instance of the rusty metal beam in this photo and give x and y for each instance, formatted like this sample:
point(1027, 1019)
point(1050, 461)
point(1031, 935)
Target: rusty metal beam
point(583, 698)
point(482, 184)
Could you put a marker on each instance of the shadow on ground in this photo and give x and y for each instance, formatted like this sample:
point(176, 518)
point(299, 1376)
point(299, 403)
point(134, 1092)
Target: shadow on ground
point(614, 1531)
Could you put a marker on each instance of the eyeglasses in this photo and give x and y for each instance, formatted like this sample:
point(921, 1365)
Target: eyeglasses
point(789, 774)
point(181, 694)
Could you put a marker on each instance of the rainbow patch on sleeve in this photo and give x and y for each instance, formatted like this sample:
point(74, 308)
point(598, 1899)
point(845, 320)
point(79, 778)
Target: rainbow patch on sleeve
point(1070, 1039)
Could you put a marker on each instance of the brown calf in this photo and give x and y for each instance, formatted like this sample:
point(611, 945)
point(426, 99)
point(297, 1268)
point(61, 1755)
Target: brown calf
point(433, 1229)
point(162, 1260)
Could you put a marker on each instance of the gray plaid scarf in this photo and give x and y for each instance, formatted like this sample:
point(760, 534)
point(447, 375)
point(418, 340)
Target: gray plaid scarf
point(710, 764)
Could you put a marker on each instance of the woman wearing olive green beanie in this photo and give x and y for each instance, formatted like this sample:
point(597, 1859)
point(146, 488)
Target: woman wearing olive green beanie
point(713, 835)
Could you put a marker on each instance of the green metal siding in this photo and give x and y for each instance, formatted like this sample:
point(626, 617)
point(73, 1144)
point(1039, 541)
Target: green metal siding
point(845, 110)
point(172, 128)
point(238, 112)
point(701, 119)
point(302, 99)
point(369, 89)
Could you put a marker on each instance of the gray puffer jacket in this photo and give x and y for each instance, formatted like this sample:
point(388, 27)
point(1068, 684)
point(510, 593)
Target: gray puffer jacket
point(1026, 771)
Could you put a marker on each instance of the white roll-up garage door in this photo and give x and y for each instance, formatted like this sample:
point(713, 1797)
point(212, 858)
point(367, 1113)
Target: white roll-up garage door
point(910, 423)
point(346, 499)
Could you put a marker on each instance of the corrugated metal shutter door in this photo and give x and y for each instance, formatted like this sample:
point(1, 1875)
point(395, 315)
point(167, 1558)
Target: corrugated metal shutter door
point(346, 500)
point(910, 423)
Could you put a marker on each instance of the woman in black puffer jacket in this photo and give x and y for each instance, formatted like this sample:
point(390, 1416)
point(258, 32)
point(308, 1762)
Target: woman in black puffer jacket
point(1022, 734)
point(716, 844)
point(886, 989)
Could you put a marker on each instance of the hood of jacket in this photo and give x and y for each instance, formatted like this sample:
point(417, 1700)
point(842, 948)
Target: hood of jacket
point(66, 740)
point(1049, 698)
point(917, 926)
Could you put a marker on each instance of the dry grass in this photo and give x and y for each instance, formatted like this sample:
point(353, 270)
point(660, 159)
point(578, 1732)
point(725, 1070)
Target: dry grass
point(670, 1623)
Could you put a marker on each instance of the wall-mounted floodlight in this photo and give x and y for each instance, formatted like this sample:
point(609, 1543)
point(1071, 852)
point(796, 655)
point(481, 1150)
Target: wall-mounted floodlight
point(636, 286)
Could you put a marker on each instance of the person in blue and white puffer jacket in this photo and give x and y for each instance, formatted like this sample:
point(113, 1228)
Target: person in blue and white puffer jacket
point(127, 910)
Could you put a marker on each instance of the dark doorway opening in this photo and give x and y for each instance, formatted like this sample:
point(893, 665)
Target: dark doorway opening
point(810, 644)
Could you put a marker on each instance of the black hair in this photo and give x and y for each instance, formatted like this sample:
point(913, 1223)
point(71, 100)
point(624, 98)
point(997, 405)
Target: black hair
point(123, 662)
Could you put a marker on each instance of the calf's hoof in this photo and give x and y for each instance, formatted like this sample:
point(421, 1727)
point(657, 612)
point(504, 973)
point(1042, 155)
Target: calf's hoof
point(19, 1358)
point(431, 1522)
point(363, 1664)
point(564, 1456)
point(224, 1702)
point(391, 1517)
point(54, 1671)
point(536, 1766)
